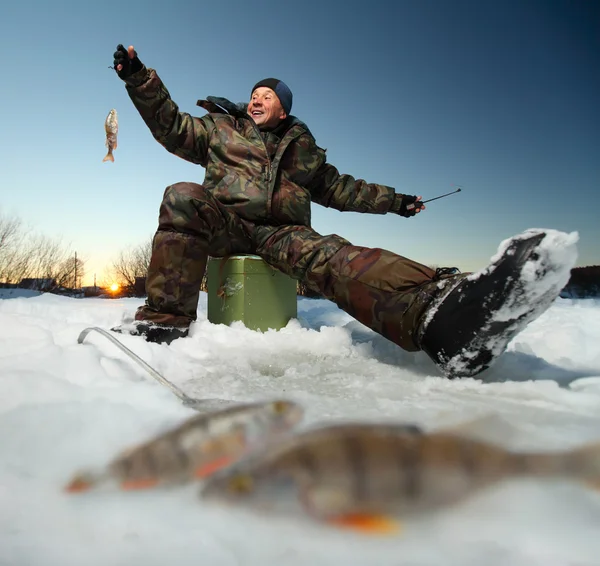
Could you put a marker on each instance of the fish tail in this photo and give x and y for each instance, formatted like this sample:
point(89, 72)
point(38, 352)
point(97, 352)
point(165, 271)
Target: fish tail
point(109, 157)
point(581, 464)
point(367, 523)
point(210, 468)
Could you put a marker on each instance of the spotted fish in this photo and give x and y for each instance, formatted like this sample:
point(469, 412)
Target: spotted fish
point(111, 128)
point(370, 477)
point(196, 448)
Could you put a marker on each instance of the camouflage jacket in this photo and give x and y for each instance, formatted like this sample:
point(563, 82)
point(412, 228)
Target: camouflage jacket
point(265, 179)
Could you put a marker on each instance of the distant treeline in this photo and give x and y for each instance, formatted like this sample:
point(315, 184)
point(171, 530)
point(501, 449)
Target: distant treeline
point(584, 283)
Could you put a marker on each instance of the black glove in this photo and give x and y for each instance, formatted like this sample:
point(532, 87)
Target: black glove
point(128, 66)
point(406, 205)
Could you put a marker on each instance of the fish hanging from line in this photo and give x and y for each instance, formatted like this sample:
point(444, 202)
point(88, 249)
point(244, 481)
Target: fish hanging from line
point(371, 477)
point(111, 128)
point(196, 448)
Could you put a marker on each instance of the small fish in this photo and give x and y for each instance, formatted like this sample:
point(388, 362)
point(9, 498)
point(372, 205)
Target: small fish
point(196, 448)
point(111, 127)
point(371, 477)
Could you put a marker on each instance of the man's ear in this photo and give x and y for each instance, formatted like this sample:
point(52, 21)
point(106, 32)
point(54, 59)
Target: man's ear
point(283, 115)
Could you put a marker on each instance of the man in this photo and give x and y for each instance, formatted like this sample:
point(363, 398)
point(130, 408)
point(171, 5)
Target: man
point(263, 170)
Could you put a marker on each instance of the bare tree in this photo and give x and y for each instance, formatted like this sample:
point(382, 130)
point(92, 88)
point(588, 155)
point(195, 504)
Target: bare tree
point(46, 258)
point(9, 229)
point(131, 264)
point(70, 272)
point(25, 255)
point(12, 254)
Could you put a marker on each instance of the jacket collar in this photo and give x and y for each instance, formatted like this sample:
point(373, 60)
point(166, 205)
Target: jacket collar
point(220, 105)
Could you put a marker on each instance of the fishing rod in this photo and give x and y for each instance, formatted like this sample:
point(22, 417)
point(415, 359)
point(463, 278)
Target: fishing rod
point(411, 206)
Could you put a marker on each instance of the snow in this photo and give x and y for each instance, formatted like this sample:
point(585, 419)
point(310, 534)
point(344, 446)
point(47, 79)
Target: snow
point(65, 406)
point(557, 249)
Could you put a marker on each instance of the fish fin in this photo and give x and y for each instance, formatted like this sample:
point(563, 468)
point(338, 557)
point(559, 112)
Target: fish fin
point(367, 523)
point(82, 482)
point(144, 483)
point(213, 466)
point(321, 502)
point(109, 157)
point(78, 485)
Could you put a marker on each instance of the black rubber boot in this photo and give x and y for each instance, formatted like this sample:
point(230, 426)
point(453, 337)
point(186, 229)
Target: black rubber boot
point(471, 325)
point(152, 332)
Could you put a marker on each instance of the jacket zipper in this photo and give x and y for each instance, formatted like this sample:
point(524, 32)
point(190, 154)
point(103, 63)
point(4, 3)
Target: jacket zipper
point(269, 165)
point(269, 174)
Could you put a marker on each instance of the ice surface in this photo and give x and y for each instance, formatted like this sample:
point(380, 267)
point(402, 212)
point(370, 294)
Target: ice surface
point(64, 406)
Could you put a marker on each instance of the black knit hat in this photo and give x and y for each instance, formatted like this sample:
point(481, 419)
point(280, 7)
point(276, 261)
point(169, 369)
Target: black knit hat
point(281, 90)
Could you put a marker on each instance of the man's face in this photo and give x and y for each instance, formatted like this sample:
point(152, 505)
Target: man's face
point(265, 108)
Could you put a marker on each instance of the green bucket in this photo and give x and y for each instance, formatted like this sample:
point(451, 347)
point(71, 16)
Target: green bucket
point(246, 288)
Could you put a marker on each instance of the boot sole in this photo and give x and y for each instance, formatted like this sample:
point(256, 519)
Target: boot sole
point(491, 307)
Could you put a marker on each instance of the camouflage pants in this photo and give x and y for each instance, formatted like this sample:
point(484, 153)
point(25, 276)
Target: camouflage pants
point(386, 292)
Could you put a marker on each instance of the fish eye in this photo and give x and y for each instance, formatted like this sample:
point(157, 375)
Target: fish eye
point(241, 484)
point(280, 407)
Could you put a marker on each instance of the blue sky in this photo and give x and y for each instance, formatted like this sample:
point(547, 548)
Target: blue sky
point(499, 97)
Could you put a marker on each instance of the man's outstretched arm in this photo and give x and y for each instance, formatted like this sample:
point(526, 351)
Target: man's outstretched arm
point(178, 132)
point(343, 192)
